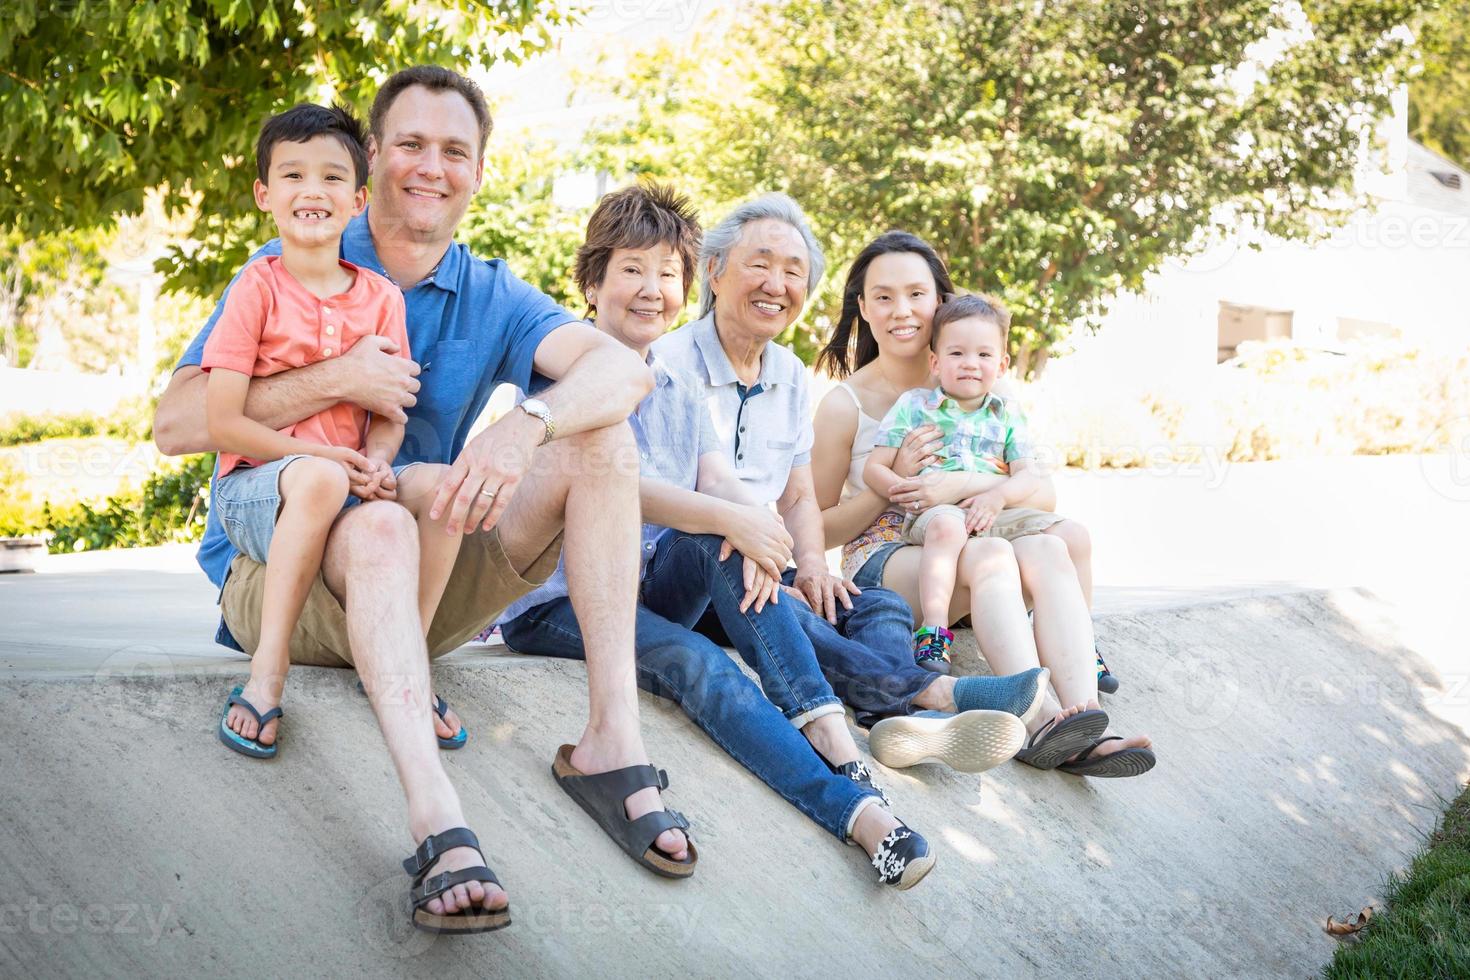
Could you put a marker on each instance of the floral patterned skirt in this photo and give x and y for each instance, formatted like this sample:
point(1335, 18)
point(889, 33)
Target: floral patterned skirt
point(886, 530)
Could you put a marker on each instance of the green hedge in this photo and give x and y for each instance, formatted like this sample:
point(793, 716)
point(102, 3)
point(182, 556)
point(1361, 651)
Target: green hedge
point(170, 506)
point(132, 420)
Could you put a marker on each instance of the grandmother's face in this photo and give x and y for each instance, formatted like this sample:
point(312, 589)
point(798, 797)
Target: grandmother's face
point(763, 288)
point(640, 295)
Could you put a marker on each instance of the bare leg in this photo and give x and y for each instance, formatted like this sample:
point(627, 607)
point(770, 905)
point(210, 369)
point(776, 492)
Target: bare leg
point(312, 492)
point(438, 549)
point(944, 539)
point(1063, 624)
point(587, 485)
point(832, 740)
point(371, 565)
point(1079, 549)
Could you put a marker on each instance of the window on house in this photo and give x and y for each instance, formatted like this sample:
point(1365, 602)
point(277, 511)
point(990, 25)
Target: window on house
point(1239, 323)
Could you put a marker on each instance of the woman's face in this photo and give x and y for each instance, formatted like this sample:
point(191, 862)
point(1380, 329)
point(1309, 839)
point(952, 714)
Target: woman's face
point(640, 295)
point(898, 300)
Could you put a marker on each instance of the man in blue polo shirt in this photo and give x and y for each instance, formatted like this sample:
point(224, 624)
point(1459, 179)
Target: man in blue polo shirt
point(565, 459)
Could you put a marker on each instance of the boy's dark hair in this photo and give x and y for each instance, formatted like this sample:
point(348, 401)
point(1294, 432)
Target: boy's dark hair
point(963, 306)
point(640, 216)
point(852, 344)
point(302, 123)
point(435, 79)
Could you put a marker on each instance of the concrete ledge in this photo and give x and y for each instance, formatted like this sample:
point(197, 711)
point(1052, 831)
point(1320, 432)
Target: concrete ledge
point(1303, 752)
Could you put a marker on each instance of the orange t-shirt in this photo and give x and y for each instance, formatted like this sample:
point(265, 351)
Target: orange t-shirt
point(272, 323)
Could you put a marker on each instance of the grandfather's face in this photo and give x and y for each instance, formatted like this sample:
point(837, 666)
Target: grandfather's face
point(428, 165)
point(763, 287)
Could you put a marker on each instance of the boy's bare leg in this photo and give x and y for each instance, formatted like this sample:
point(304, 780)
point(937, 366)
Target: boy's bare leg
point(371, 562)
point(587, 485)
point(438, 549)
point(944, 539)
point(312, 491)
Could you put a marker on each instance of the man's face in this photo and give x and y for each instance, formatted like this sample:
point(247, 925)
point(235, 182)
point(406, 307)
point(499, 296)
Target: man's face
point(428, 165)
point(311, 193)
point(763, 287)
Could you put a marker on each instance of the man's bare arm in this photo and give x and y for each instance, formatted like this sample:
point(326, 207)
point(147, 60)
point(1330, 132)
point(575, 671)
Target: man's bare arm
point(370, 375)
point(599, 383)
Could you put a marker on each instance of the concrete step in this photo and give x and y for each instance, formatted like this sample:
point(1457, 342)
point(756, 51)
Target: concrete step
point(1303, 752)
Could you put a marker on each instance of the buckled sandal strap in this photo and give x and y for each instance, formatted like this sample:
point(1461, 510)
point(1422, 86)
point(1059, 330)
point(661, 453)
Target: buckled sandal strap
point(425, 892)
point(435, 845)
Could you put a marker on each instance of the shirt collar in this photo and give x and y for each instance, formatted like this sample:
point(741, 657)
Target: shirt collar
point(358, 248)
point(661, 375)
point(717, 366)
point(991, 402)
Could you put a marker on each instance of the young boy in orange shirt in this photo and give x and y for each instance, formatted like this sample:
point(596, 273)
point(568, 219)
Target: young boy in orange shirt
point(278, 493)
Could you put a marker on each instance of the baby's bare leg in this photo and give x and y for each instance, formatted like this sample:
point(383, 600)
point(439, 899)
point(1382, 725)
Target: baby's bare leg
point(438, 549)
point(944, 539)
point(312, 492)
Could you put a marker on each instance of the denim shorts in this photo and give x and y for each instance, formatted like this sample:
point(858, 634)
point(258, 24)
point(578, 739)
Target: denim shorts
point(870, 576)
point(248, 502)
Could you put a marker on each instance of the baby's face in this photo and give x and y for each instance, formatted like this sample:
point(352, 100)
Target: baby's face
point(971, 354)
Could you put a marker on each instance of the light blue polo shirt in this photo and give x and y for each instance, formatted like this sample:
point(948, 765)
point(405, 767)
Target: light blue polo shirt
point(673, 431)
point(471, 326)
point(765, 429)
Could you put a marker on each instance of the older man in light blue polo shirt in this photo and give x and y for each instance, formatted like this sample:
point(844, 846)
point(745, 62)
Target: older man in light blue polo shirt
point(759, 265)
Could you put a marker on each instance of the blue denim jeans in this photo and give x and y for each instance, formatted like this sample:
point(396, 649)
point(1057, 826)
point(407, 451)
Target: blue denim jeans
point(676, 663)
point(868, 657)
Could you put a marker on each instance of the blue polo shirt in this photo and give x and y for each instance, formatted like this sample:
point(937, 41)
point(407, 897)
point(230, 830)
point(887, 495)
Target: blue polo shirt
point(471, 326)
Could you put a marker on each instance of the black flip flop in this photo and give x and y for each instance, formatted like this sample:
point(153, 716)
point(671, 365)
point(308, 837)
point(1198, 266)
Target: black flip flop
point(1057, 741)
point(1124, 762)
point(604, 796)
point(473, 919)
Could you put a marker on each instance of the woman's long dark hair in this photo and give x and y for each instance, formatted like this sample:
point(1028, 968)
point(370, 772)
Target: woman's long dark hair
point(852, 344)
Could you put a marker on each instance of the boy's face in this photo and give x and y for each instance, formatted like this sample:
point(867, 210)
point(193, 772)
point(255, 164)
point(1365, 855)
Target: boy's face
point(970, 356)
point(311, 193)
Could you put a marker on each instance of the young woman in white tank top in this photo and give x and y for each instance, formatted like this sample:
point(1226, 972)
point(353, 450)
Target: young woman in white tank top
point(889, 300)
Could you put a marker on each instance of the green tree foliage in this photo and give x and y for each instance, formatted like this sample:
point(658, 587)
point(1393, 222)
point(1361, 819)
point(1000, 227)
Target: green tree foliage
point(514, 217)
point(1054, 152)
point(1439, 98)
point(105, 99)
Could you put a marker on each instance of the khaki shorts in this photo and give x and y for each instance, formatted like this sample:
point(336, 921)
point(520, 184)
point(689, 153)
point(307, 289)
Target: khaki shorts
point(481, 586)
point(1009, 524)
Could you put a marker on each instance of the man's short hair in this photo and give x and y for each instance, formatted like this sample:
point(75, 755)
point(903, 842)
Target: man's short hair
point(303, 123)
point(435, 79)
point(962, 306)
point(640, 216)
point(723, 238)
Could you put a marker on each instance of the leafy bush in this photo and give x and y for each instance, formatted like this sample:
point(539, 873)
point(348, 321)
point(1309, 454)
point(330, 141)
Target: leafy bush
point(132, 420)
point(171, 506)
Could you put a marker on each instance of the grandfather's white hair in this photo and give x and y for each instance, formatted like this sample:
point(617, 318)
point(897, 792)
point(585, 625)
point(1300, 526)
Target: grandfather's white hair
point(720, 239)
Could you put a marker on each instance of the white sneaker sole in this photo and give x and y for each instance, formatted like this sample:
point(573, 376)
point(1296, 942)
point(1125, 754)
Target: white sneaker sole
point(972, 741)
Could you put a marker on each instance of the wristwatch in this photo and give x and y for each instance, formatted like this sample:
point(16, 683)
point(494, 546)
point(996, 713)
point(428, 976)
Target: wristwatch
point(536, 408)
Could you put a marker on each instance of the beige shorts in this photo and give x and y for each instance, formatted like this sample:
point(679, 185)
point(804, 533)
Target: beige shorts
point(1009, 524)
point(481, 586)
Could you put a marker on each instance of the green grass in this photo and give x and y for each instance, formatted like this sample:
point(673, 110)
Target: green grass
point(1424, 931)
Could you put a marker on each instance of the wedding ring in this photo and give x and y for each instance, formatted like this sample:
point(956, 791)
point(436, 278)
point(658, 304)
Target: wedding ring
point(488, 493)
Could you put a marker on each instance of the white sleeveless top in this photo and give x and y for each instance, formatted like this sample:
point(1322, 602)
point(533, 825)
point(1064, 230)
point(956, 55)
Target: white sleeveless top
point(862, 446)
point(887, 530)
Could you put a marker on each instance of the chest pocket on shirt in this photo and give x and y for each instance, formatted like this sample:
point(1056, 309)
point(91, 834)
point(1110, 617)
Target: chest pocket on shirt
point(447, 377)
point(781, 445)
